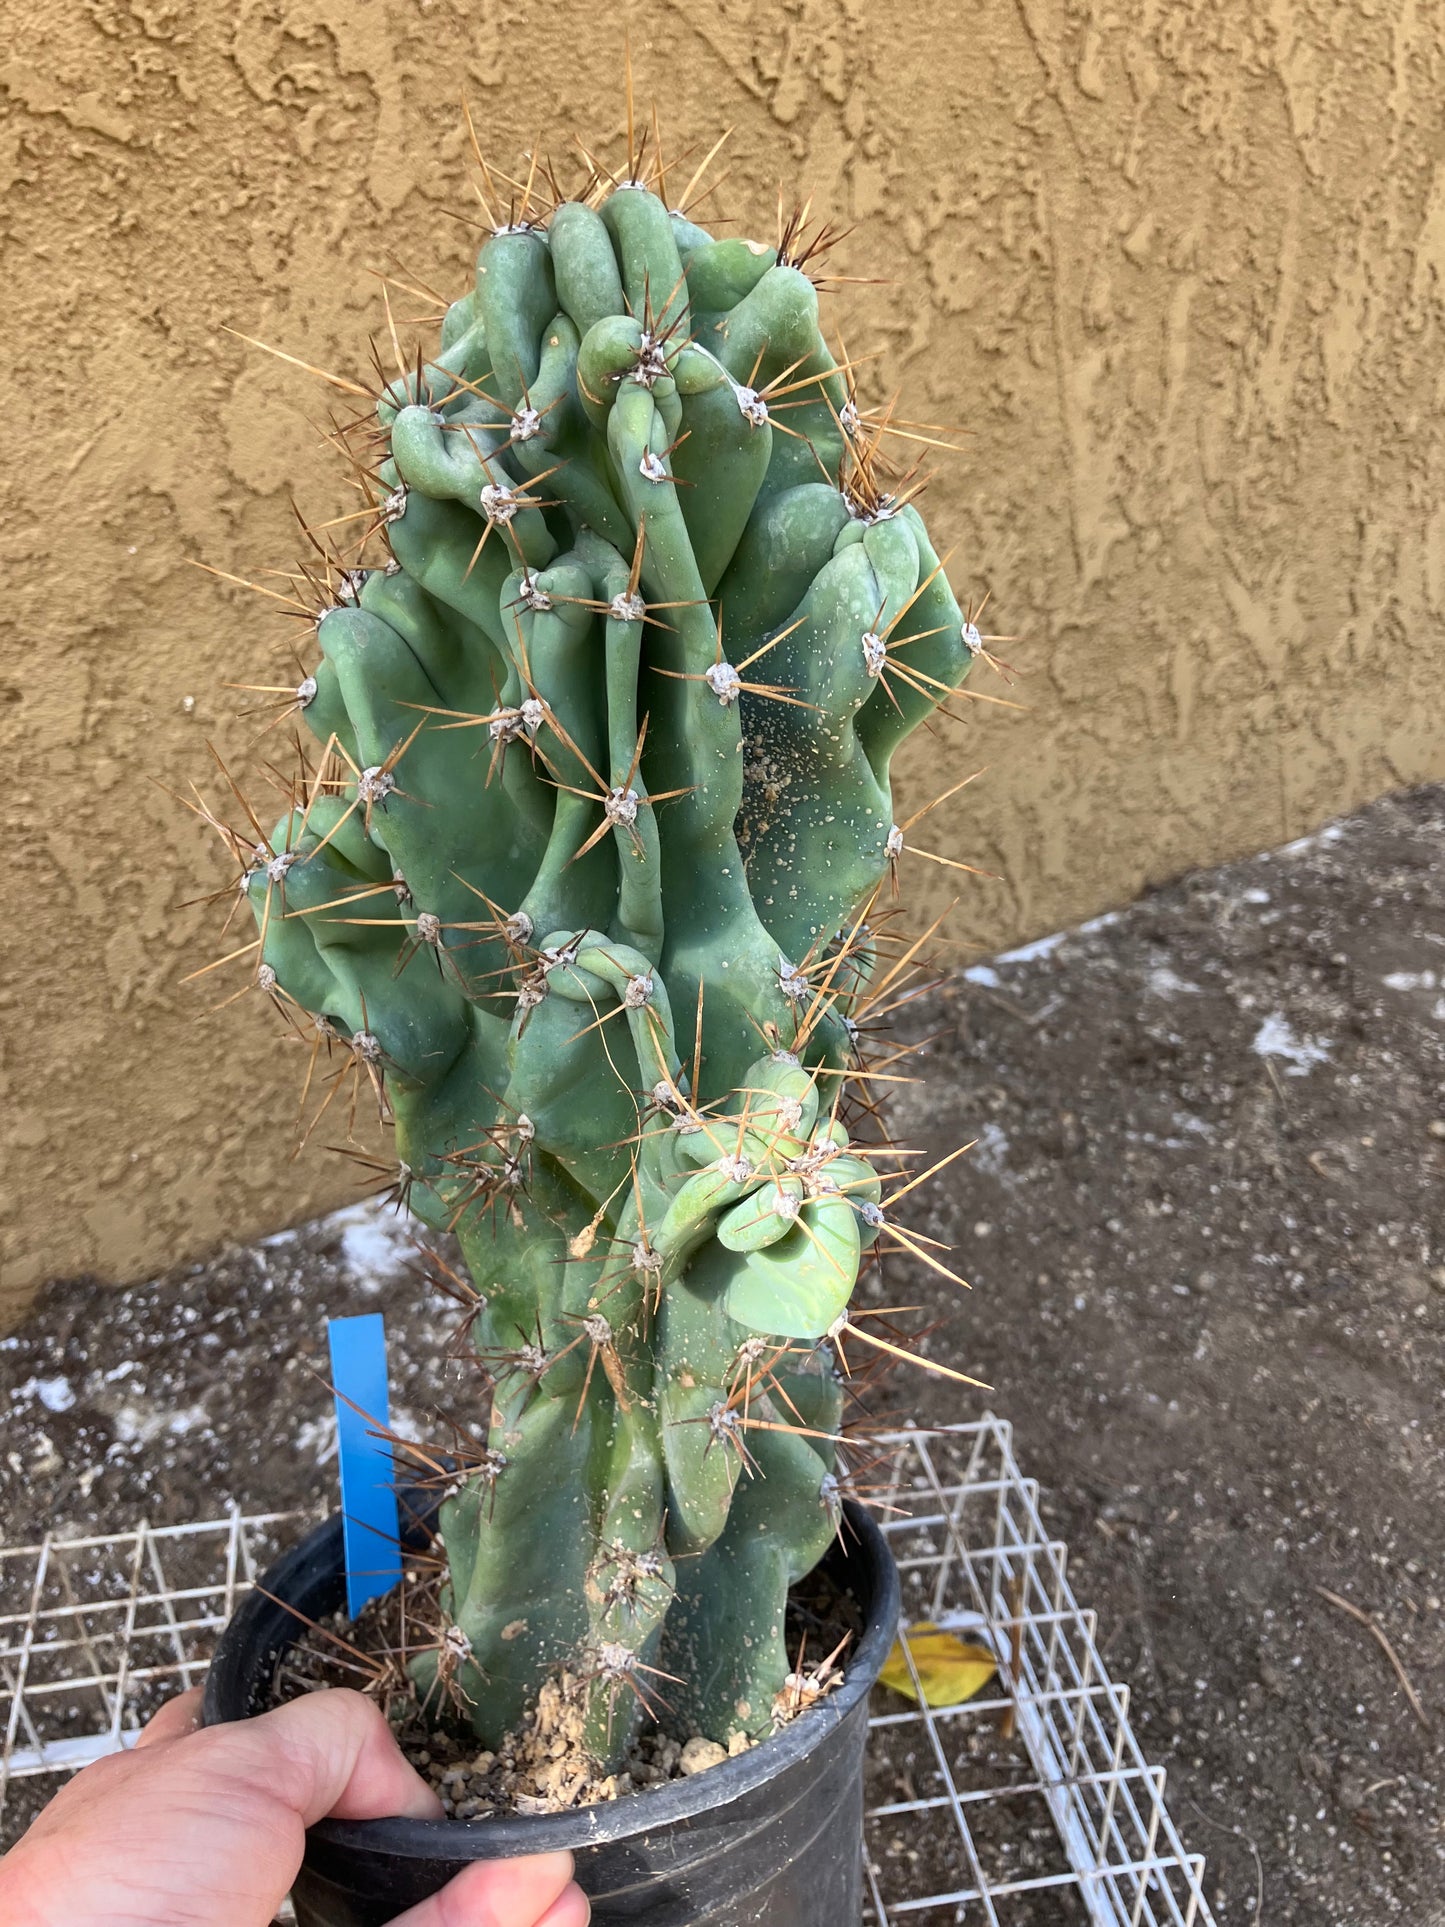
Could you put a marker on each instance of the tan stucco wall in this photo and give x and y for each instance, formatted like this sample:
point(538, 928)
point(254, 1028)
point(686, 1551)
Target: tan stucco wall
point(1180, 270)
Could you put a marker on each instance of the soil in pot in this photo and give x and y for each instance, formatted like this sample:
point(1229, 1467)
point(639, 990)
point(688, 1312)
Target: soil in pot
point(774, 1834)
point(540, 1767)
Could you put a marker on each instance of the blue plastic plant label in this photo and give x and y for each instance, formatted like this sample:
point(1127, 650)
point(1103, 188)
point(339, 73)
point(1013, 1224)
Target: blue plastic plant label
point(368, 1490)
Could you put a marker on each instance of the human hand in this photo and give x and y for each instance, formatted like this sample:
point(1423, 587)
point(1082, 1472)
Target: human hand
point(204, 1827)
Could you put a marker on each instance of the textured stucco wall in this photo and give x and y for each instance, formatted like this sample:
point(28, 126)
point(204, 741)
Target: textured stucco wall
point(1180, 270)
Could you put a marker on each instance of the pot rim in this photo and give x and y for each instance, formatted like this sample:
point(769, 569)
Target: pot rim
point(870, 1563)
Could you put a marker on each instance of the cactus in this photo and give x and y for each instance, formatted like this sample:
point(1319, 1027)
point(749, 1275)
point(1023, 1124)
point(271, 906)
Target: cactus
point(579, 888)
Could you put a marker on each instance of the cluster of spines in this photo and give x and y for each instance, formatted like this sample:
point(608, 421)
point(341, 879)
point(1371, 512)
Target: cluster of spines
point(838, 984)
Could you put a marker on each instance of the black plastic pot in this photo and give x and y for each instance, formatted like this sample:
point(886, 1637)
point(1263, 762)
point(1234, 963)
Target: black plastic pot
point(775, 1835)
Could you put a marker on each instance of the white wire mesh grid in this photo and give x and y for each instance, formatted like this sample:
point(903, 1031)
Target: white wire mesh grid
point(95, 1633)
point(1029, 1805)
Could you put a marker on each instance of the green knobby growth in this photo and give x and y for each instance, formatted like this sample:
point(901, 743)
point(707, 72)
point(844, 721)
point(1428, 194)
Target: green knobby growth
point(579, 888)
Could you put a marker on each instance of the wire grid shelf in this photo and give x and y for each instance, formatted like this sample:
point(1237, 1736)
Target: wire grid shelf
point(1029, 1805)
point(96, 1633)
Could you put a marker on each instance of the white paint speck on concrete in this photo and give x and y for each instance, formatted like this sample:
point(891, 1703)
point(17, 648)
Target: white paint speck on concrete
point(990, 1152)
point(376, 1241)
point(55, 1394)
point(1163, 982)
point(1411, 980)
point(1031, 952)
point(1040, 947)
point(1331, 833)
point(1276, 1038)
point(316, 1440)
point(138, 1422)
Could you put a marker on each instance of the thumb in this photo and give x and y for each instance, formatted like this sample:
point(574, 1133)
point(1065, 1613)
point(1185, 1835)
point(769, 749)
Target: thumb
point(332, 1754)
point(537, 1891)
point(175, 1720)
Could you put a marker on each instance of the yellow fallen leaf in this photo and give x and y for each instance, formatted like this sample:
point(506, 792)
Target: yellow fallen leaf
point(949, 1669)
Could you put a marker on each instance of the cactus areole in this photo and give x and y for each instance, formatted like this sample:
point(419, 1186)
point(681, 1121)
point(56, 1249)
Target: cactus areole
point(578, 888)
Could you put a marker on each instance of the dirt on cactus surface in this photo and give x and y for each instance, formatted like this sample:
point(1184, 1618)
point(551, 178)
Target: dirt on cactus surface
point(1205, 1226)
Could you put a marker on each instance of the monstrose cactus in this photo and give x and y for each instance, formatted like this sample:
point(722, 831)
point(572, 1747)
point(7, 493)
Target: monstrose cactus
point(578, 886)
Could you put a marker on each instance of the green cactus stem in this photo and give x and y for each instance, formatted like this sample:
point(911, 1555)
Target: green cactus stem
point(578, 889)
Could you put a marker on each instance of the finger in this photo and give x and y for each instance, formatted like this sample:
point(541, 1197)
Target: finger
point(506, 1893)
point(176, 1718)
point(573, 1909)
point(336, 1756)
